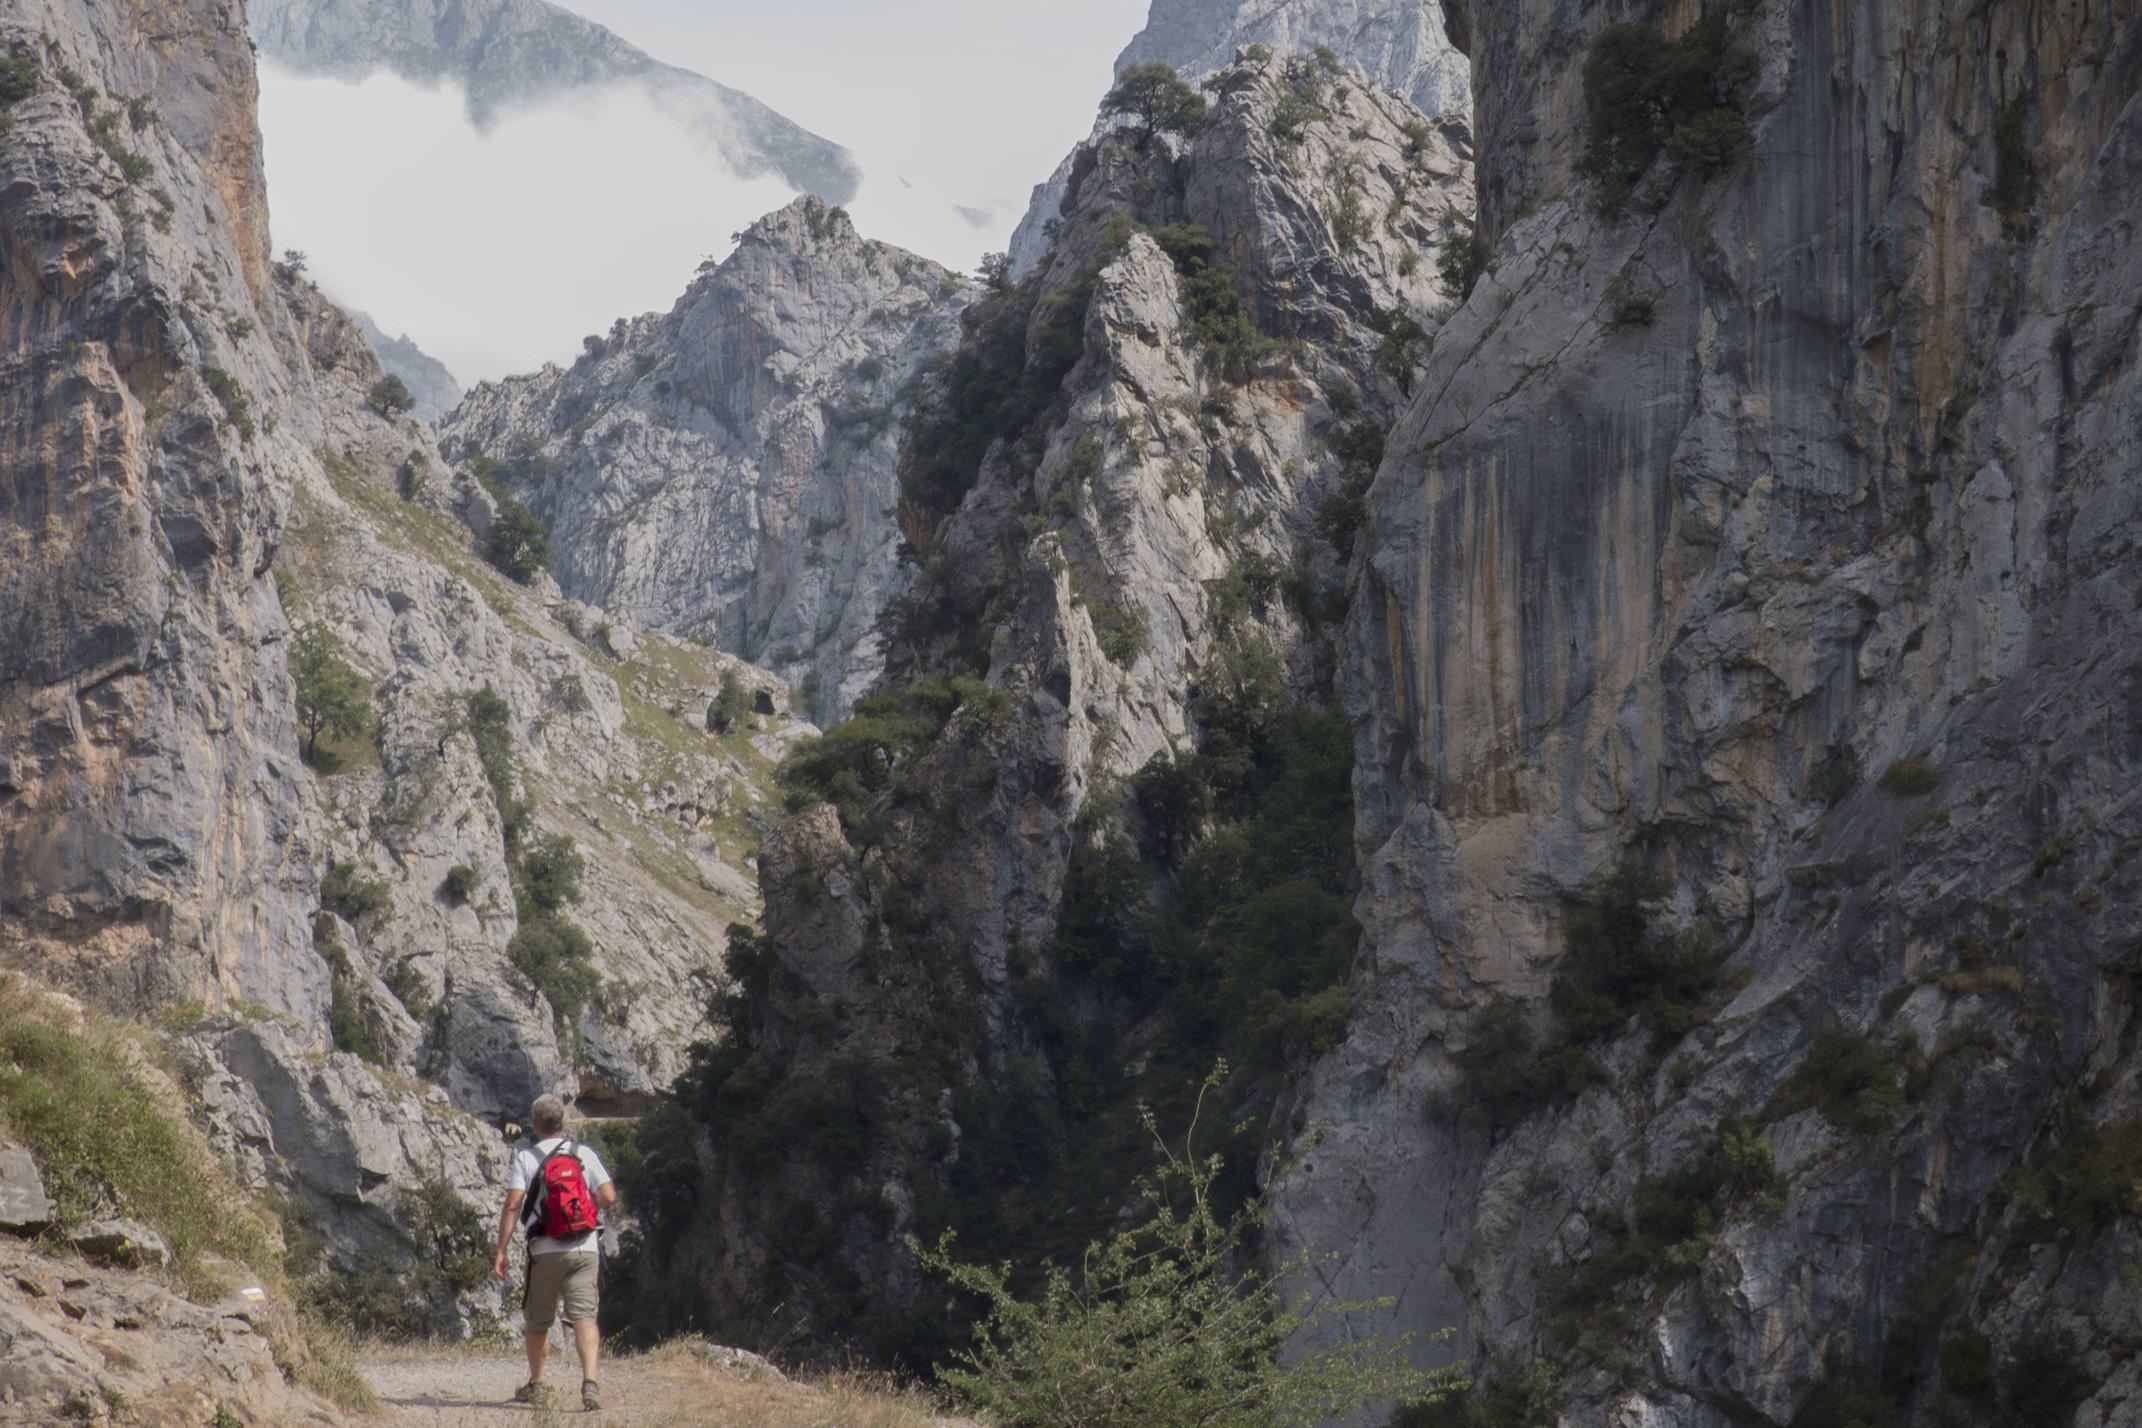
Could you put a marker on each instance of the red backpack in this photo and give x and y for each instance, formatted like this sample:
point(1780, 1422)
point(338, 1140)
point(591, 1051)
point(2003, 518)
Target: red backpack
point(560, 1205)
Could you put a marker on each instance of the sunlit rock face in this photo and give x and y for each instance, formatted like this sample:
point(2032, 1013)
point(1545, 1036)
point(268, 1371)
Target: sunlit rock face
point(727, 469)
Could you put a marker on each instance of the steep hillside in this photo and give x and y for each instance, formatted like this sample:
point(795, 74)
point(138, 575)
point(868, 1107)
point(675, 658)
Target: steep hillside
point(726, 469)
point(486, 883)
point(1765, 519)
point(1130, 493)
point(510, 54)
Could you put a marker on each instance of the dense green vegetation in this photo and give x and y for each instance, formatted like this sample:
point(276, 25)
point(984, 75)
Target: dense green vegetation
point(1909, 777)
point(1643, 92)
point(1856, 1082)
point(517, 545)
point(993, 388)
point(1590, 1307)
point(237, 406)
point(547, 948)
point(1160, 1324)
point(18, 81)
point(726, 710)
point(1613, 972)
point(873, 752)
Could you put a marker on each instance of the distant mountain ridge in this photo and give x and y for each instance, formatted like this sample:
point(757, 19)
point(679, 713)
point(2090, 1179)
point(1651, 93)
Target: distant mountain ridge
point(516, 53)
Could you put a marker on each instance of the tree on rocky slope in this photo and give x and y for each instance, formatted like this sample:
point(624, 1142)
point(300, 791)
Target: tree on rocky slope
point(330, 695)
point(390, 396)
point(1156, 96)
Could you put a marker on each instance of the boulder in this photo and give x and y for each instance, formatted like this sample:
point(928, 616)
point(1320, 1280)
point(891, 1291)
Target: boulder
point(126, 1243)
point(25, 1209)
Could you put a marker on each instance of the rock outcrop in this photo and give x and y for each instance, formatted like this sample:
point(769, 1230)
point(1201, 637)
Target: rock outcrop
point(1777, 534)
point(726, 469)
point(1399, 45)
point(510, 54)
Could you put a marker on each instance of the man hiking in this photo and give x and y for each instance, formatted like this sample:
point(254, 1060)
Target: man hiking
point(556, 1192)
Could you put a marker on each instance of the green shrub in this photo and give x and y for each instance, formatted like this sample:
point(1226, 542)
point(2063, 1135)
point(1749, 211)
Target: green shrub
point(237, 406)
point(407, 984)
point(1643, 92)
point(1613, 971)
point(1220, 323)
point(1853, 1080)
point(1909, 778)
point(1461, 256)
point(18, 81)
point(1836, 775)
point(548, 876)
point(460, 884)
point(570, 693)
point(1515, 1397)
point(2045, 1382)
point(390, 396)
point(1848, 1398)
point(559, 962)
point(1402, 338)
point(517, 545)
point(409, 1293)
point(1630, 303)
point(2088, 1180)
point(346, 1026)
point(872, 752)
point(1663, 1240)
point(2015, 174)
point(1161, 1324)
point(490, 726)
point(351, 896)
point(1967, 1365)
point(729, 705)
point(331, 697)
point(1301, 102)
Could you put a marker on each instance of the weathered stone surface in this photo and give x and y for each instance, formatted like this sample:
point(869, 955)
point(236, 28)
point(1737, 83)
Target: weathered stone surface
point(1858, 485)
point(118, 1346)
point(726, 469)
point(1397, 45)
point(25, 1209)
point(125, 1243)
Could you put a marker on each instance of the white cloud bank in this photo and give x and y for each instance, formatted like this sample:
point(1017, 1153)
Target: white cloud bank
point(498, 252)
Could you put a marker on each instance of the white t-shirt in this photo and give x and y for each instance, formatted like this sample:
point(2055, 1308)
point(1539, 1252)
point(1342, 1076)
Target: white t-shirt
point(525, 1165)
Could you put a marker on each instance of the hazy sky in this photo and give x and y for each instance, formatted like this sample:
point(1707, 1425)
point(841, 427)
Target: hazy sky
point(499, 251)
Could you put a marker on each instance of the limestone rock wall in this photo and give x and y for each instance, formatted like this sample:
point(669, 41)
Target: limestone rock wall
point(1857, 489)
point(726, 469)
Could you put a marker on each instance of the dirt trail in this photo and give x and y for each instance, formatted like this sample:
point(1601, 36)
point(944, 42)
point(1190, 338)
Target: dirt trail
point(681, 1384)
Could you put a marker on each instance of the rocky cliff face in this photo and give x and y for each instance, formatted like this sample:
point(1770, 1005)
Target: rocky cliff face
point(1128, 492)
point(726, 469)
point(1776, 534)
point(361, 959)
point(1399, 45)
point(516, 53)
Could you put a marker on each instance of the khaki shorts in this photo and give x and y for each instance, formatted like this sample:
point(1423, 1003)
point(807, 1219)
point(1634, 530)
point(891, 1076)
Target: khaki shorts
point(551, 1277)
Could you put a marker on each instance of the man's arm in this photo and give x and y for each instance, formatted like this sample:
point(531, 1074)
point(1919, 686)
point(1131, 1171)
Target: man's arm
point(606, 1194)
point(505, 1228)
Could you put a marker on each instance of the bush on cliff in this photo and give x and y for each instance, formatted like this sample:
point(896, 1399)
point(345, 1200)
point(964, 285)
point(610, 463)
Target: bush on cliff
point(1168, 1321)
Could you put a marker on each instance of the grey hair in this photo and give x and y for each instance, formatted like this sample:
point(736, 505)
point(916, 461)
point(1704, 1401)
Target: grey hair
point(548, 1115)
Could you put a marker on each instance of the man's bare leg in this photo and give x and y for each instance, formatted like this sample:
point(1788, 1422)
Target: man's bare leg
point(538, 1350)
point(587, 1338)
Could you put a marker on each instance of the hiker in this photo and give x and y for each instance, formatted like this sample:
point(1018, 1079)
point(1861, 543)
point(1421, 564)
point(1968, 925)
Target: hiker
point(556, 1192)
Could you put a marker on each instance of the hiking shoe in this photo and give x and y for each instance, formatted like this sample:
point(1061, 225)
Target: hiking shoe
point(532, 1392)
point(590, 1396)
